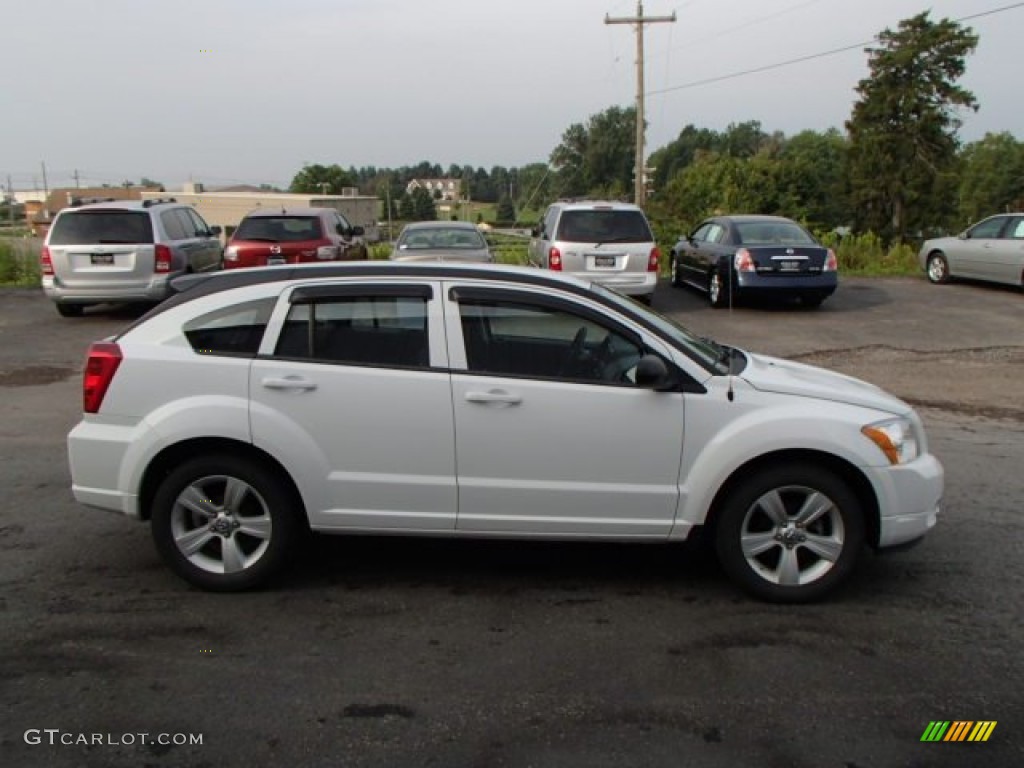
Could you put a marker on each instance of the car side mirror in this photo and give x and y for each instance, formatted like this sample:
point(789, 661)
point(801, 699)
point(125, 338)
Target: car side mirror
point(215, 231)
point(358, 231)
point(535, 232)
point(652, 373)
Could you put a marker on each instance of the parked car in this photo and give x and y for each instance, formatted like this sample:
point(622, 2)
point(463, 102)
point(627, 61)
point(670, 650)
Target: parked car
point(270, 236)
point(441, 241)
point(482, 401)
point(607, 242)
point(123, 251)
point(731, 257)
point(992, 250)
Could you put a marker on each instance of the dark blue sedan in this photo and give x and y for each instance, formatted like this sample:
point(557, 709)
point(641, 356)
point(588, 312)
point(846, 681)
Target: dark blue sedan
point(731, 257)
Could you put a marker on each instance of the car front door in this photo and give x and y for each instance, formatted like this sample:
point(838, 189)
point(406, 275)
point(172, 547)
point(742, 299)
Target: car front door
point(1007, 254)
point(974, 256)
point(208, 246)
point(351, 391)
point(552, 436)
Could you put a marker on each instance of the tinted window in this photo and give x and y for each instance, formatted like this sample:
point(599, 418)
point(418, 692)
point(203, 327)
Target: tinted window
point(772, 233)
point(604, 226)
point(365, 330)
point(98, 227)
point(231, 330)
point(172, 225)
point(188, 225)
point(279, 229)
point(542, 342)
point(197, 221)
point(702, 232)
point(989, 227)
point(447, 238)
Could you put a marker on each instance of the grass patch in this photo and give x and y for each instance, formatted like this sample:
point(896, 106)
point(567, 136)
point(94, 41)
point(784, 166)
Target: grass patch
point(19, 263)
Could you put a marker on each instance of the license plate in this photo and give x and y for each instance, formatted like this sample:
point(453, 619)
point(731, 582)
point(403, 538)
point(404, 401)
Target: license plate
point(604, 261)
point(101, 259)
point(790, 266)
point(274, 260)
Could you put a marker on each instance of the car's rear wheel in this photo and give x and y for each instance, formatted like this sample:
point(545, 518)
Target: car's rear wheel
point(70, 310)
point(717, 290)
point(224, 523)
point(937, 268)
point(790, 533)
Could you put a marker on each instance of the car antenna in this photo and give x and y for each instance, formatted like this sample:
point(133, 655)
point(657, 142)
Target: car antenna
point(730, 393)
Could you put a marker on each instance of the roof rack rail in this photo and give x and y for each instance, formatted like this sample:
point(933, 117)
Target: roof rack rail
point(78, 201)
point(157, 201)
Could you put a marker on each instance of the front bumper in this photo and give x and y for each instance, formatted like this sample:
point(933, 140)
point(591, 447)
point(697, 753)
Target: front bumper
point(909, 497)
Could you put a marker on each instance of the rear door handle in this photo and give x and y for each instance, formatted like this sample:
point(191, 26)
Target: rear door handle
point(297, 383)
point(498, 396)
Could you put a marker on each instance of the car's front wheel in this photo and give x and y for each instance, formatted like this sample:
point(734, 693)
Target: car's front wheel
point(790, 533)
point(674, 271)
point(224, 523)
point(69, 310)
point(938, 268)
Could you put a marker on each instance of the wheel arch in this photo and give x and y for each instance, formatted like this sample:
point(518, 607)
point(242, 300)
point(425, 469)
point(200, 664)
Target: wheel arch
point(162, 464)
point(850, 474)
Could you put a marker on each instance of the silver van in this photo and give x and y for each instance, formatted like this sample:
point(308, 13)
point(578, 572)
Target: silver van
point(607, 242)
point(124, 251)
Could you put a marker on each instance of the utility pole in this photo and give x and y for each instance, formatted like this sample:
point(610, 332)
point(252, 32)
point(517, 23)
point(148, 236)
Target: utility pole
point(77, 184)
point(639, 173)
point(46, 192)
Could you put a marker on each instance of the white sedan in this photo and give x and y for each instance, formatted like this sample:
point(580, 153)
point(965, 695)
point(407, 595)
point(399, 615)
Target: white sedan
point(482, 401)
point(992, 250)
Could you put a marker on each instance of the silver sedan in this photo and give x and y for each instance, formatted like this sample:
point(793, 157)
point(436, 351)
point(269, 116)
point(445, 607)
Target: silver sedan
point(441, 241)
point(992, 250)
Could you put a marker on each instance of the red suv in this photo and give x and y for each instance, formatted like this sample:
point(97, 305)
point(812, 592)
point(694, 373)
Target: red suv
point(291, 236)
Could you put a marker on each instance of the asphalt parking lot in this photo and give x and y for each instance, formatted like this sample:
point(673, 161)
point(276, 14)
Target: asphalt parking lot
point(390, 652)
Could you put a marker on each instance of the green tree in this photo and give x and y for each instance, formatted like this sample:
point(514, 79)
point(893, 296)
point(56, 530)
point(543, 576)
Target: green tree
point(423, 205)
point(506, 211)
point(319, 179)
point(991, 177)
point(811, 179)
point(598, 158)
point(903, 129)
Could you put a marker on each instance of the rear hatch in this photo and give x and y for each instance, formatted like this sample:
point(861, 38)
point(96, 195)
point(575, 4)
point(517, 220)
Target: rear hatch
point(268, 240)
point(96, 248)
point(604, 239)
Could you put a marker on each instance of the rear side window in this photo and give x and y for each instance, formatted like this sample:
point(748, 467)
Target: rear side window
point(100, 227)
point(358, 330)
point(280, 229)
point(604, 226)
point(234, 330)
point(172, 225)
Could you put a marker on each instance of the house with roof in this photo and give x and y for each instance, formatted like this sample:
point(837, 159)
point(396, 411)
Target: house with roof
point(449, 189)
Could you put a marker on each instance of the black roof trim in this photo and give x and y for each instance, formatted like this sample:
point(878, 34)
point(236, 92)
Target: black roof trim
point(309, 294)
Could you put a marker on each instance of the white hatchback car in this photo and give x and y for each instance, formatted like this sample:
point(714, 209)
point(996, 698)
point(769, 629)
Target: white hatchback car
point(482, 402)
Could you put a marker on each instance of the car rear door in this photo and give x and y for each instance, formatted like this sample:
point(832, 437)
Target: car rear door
point(1007, 254)
point(351, 391)
point(552, 437)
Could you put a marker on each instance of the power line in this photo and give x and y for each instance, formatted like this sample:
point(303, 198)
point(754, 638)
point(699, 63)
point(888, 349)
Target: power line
point(811, 57)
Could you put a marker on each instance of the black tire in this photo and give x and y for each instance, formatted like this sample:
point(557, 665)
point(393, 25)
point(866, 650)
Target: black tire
point(674, 267)
point(783, 562)
point(811, 302)
point(937, 268)
point(69, 310)
point(262, 523)
point(718, 290)
point(647, 298)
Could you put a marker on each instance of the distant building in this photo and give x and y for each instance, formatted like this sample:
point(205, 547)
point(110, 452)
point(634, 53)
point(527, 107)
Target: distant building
point(39, 213)
point(450, 189)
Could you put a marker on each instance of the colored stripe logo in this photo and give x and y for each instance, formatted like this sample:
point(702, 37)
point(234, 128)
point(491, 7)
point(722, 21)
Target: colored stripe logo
point(958, 730)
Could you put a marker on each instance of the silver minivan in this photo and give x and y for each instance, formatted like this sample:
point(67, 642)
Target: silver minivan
point(607, 242)
point(124, 251)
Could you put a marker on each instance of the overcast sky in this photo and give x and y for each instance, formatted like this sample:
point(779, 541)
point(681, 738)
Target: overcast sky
point(231, 91)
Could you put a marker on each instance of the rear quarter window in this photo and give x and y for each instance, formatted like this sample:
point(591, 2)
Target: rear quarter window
point(101, 227)
point(234, 330)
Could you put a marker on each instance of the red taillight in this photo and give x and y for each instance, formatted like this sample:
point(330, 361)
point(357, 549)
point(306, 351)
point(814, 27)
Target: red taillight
point(45, 262)
point(103, 359)
point(555, 260)
point(654, 260)
point(162, 259)
point(744, 262)
point(831, 262)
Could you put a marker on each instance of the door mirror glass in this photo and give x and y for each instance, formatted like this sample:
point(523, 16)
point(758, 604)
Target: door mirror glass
point(652, 373)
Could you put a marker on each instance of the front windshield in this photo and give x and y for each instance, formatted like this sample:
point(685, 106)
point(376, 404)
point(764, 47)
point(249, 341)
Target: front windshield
point(707, 352)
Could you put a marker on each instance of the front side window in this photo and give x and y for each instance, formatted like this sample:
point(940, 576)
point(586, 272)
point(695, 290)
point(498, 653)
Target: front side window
point(520, 339)
point(234, 330)
point(358, 330)
point(188, 226)
point(989, 228)
point(172, 225)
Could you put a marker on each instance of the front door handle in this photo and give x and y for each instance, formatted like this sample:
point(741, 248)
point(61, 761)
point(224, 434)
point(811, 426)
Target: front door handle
point(498, 396)
point(297, 383)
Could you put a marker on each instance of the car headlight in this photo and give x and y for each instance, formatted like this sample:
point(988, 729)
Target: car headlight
point(895, 438)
